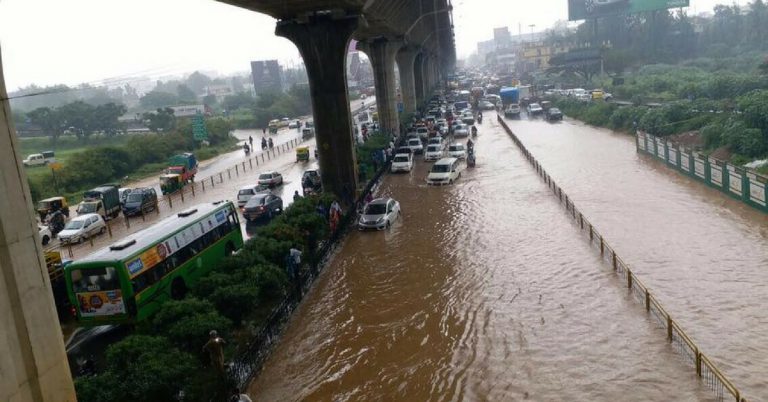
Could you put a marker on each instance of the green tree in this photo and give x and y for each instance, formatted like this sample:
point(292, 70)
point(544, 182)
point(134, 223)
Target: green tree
point(209, 100)
point(754, 106)
point(156, 99)
point(105, 118)
point(50, 120)
point(187, 322)
point(162, 119)
point(78, 117)
point(186, 95)
point(139, 368)
point(198, 81)
point(241, 100)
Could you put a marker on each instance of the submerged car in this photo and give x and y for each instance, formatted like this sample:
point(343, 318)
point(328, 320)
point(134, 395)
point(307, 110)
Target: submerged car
point(554, 114)
point(402, 163)
point(535, 109)
point(379, 214)
point(262, 205)
point(81, 228)
point(270, 179)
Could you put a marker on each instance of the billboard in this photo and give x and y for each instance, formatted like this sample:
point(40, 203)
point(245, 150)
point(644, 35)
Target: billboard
point(588, 9)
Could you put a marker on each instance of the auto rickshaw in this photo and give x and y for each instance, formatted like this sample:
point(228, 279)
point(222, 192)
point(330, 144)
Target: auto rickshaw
point(170, 183)
point(50, 205)
point(307, 133)
point(302, 154)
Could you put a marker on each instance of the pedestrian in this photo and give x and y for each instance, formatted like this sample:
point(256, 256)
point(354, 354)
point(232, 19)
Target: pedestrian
point(215, 349)
point(389, 154)
point(263, 143)
point(335, 207)
point(296, 196)
point(271, 144)
point(375, 158)
point(320, 209)
point(237, 396)
point(250, 139)
point(264, 131)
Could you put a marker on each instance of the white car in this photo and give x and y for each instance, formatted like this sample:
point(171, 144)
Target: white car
point(415, 145)
point(458, 151)
point(461, 131)
point(81, 228)
point(271, 179)
point(402, 163)
point(535, 109)
point(423, 133)
point(435, 141)
point(379, 214)
point(45, 234)
point(444, 171)
point(247, 192)
point(433, 152)
point(468, 118)
point(294, 124)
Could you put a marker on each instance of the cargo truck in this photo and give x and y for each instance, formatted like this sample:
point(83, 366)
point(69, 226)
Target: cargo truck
point(184, 165)
point(103, 200)
point(510, 101)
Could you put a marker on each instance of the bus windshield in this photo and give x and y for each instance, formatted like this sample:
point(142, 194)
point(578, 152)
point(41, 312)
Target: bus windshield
point(95, 279)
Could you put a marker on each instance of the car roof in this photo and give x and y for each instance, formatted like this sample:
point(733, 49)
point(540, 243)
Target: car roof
point(382, 200)
point(446, 161)
point(83, 217)
point(270, 172)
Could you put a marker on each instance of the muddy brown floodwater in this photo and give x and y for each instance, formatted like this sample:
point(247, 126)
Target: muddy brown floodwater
point(483, 290)
point(703, 254)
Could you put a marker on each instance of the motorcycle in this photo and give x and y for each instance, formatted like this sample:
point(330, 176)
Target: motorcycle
point(474, 131)
point(247, 149)
point(471, 158)
point(56, 223)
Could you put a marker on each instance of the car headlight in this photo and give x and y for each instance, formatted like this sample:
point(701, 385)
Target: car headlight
point(380, 220)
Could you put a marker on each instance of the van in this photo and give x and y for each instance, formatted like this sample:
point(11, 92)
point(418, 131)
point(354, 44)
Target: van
point(444, 171)
point(140, 201)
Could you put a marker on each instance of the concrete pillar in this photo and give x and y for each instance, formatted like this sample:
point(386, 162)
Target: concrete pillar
point(418, 79)
point(406, 59)
point(382, 52)
point(322, 42)
point(426, 77)
point(33, 363)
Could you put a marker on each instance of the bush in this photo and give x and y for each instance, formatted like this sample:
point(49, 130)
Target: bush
point(187, 323)
point(139, 368)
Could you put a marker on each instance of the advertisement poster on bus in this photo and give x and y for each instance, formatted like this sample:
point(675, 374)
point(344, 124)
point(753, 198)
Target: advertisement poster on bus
point(590, 9)
point(101, 303)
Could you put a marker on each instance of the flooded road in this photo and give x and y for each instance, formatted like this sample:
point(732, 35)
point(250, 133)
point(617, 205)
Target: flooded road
point(483, 290)
point(704, 254)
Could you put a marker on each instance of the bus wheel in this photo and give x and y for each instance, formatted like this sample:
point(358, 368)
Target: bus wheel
point(178, 289)
point(229, 248)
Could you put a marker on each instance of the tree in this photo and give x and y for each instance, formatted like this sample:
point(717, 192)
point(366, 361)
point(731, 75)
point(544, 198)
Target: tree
point(209, 100)
point(186, 95)
point(162, 119)
point(268, 98)
point(78, 118)
point(754, 107)
point(49, 120)
point(187, 322)
point(241, 100)
point(564, 65)
point(105, 118)
point(198, 82)
point(157, 99)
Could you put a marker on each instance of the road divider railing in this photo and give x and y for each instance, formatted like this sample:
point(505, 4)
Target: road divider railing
point(180, 196)
point(680, 341)
point(748, 186)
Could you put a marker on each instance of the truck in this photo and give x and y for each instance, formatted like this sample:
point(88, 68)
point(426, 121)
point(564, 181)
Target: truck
point(40, 159)
point(510, 101)
point(103, 200)
point(184, 165)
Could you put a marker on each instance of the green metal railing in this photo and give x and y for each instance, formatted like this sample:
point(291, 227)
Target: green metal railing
point(748, 186)
point(680, 341)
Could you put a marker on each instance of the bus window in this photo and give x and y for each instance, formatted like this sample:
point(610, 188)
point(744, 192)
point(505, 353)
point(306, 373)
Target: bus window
point(95, 279)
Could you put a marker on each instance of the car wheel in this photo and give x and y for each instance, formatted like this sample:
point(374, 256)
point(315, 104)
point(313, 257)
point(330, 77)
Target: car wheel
point(46, 240)
point(102, 230)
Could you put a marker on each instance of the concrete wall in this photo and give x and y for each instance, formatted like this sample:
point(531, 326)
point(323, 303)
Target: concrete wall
point(33, 364)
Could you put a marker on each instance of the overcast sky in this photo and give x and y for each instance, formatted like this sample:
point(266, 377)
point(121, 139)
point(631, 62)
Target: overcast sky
point(73, 41)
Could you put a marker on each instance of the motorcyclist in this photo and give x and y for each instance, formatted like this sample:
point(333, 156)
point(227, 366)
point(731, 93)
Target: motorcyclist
point(470, 145)
point(474, 131)
point(56, 222)
point(247, 149)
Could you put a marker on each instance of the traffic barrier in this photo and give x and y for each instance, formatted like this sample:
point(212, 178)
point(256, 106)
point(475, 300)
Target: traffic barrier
point(680, 341)
point(748, 186)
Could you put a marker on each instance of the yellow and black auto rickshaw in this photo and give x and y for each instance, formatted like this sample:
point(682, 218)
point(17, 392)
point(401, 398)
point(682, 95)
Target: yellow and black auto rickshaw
point(170, 183)
point(51, 205)
point(302, 154)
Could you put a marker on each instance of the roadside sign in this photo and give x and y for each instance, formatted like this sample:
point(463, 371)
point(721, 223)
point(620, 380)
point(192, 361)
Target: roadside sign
point(198, 128)
point(55, 165)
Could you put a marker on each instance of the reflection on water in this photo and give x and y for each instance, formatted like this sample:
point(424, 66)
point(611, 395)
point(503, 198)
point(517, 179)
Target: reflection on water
point(482, 291)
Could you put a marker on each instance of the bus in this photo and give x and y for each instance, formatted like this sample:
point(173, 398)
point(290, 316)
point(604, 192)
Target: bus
point(128, 281)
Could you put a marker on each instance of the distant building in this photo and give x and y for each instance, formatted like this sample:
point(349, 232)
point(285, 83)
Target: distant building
point(535, 56)
point(267, 76)
point(219, 90)
point(188, 110)
point(502, 38)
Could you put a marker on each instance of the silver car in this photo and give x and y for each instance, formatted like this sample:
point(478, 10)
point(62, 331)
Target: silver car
point(379, 214)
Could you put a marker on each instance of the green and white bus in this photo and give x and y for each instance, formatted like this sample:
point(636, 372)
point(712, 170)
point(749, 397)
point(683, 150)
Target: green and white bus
point(129, 280)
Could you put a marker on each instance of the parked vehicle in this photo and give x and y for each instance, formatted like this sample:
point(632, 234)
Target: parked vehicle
point(457, 151)
point(534, 109)
point(262, 205)
point(82, 228)
point(44, 232)
point(184, 165)
point(554, 114)
point(379, 214)
point(415, 145)
point(50, 205)
point(247, 192)
point(171, 183)
point(302, 154)
point(433, 152)
point(402, 163)
point(444, 171)
point(271, 179)
point(103, 200)
point(140, 201)
point(40, 159)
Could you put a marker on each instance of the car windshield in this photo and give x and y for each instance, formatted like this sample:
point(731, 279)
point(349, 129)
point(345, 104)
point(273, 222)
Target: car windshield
point(441, 168)
point(401, 158)
point(73, 225)
point(265, 176)
point(247, 191)
point(414, 142)
point(375, 209)
point(433, 148)
point(134, 197)
point(256, 200)
point(88, 207)
point(456, 148)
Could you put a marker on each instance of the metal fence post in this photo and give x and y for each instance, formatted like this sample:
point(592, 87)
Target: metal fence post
point(229, 174)
point(193, 189)
point(615, 266)
point(629, 279)
point(647, 301)
point(212, 182)
point(127, 222)
point(221, 177)
point(669, 328)
point(591, 233)
point(698, 361)
point(237, 170)
point(581, 220)
point(602, 247)
point(250, 163)
point(109, 227)
point(203, 185)
point(182, 194)
point(243, 166)
point(170, 200)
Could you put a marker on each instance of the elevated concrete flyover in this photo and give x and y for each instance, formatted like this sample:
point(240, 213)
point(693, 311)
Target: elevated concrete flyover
point(417, 34)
